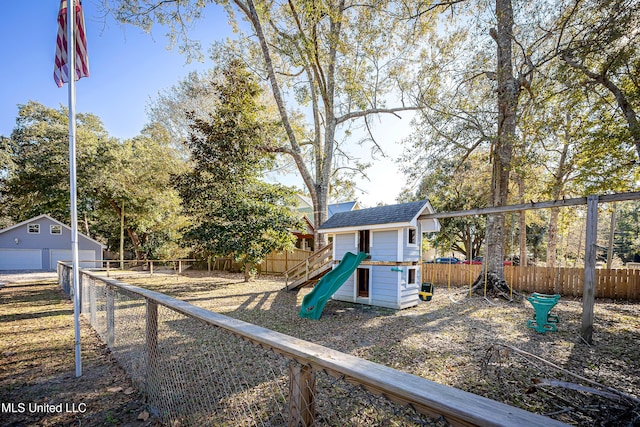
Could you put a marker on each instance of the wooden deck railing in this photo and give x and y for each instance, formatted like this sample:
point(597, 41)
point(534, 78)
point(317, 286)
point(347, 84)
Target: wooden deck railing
point(162, 341)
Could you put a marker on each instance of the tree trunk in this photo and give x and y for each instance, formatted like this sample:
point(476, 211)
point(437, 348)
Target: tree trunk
point(135, 240)
point(495, 245)
point(318, 186)
point(320, 213)
point(324, 166)
point(503, 147)
point(86, 225)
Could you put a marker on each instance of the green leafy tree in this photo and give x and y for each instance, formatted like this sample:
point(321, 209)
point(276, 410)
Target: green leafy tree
point(39, 150)
point(137, 172)
point(599, 41)
point(627, 232)
point(454, 187)
point(5, 167)
point(234, 212)
point(486, 60)
point(483, 98)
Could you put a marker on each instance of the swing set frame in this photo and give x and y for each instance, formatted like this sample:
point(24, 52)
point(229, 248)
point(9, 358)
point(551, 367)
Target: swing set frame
point(588, 295)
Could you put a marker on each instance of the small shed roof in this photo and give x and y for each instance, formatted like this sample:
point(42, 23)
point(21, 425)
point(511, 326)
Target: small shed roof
point(390, 216)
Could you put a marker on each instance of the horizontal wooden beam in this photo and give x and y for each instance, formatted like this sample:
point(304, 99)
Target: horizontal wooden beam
point(607, 198)
point(387, 263)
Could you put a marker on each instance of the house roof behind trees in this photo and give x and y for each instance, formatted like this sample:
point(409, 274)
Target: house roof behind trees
point(341, 207)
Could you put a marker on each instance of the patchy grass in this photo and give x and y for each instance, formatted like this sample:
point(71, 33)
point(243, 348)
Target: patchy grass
point(478, 345)
point(38, 386)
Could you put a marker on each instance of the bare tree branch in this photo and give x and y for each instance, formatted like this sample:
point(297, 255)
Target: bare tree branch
point(356, 114)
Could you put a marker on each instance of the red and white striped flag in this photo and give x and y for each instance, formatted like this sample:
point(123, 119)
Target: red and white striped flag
point(61, 67)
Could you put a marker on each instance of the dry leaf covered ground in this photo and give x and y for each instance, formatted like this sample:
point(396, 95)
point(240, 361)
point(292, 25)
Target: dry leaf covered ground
point(482, 346)
point(38, 386)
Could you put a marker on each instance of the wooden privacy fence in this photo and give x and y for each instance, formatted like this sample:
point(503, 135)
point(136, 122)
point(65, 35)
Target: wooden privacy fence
point(279, 262)
point(274, 263)
point(610, 283)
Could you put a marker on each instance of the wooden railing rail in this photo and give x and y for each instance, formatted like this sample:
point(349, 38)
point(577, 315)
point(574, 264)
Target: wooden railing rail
point(320, 257)
point(178, 264)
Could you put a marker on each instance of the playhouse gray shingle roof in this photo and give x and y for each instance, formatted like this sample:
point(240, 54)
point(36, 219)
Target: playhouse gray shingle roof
point(390, 214)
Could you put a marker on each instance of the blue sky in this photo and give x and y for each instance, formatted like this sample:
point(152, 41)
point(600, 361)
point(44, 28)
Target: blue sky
point(128, 68)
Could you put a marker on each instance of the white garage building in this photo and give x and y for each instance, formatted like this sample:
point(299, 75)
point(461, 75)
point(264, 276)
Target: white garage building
point(40, 242)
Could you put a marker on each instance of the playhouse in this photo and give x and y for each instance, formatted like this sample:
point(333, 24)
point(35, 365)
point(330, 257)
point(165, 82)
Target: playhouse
point(389, 276)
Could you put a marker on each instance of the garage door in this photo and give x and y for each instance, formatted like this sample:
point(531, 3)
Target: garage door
point(20, 259)
point(65, 255)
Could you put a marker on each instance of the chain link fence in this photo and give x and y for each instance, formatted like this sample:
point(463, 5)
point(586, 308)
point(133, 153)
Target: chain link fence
point(199, 368)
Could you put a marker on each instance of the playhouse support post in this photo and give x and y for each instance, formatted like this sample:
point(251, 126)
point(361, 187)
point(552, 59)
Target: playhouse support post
point(588, 295)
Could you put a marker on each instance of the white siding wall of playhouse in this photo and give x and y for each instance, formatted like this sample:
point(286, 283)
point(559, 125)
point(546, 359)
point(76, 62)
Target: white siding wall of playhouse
point(384, 245)
point(408, 293)
point(343, 243)
point(383, 289)
point(411, 252)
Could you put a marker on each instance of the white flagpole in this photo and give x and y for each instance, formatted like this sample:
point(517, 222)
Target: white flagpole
point(71, 56)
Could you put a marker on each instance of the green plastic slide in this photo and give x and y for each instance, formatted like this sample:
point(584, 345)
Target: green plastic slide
point(313, 303)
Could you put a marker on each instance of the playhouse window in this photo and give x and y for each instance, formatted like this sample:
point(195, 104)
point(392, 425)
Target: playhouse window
point(364, 242)
point(411, 276)
point(412, 239)
point(362, 278)
point(33, 229)
point(55, 229)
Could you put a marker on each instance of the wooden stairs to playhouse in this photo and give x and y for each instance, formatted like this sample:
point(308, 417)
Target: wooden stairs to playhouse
point(309, 271)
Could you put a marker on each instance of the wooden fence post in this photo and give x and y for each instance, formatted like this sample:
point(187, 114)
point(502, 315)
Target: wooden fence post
point(92, 301)
point(152, 347)
point(110, 312)
point(80, 291)
point(588, 294)
point(302, 389)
